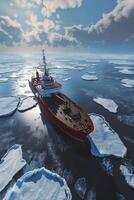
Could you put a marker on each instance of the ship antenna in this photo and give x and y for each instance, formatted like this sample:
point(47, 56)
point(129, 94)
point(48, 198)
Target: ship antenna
point(44, 62)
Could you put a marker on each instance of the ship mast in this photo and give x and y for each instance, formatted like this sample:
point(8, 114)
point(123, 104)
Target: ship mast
point(44, 63)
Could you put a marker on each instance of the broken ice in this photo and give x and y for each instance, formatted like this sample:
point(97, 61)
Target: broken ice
point(104, 140)
point(39, 184)
point(8, 105)
point(89, 77)
point(128, 173)
point(11, 163)
point(108, 104)
point(27, 103)
point(127, 82)
point(3, 80)
point(126, 71)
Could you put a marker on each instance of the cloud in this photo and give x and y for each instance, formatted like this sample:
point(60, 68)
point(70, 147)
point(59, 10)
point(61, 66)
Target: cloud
point(50, 6)
point(10, 31)
point(47, 32)
point(39, 29)
point(21, 4)
point(113, 28)
point(57, 39)
point(42, 34)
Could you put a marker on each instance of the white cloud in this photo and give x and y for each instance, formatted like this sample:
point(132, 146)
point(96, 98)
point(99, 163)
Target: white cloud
point(39, 29)
point(21, 4)
point(50, 6)
point(57, 39)
point(114, 27)
point(7, 21)
point(10, 31)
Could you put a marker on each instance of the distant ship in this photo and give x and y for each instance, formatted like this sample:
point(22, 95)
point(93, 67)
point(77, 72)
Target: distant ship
point(65, 114)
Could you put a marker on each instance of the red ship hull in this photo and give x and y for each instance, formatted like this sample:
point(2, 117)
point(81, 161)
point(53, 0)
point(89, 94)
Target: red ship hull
point(75, 134)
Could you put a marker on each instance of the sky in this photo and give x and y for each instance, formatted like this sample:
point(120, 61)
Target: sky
point(84, 25)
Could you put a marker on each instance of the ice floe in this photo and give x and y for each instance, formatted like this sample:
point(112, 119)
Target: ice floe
point(108, 104)
point(79, 68)
point(126, 71)
point(104, 140)
point(127, 82)
point(80, 187)
point(10, 164)
point(107, 166)
point(124, 67)
point(8, 105)
point(8, 69)
point(126, 85)
point(62, 67)
point(89, 77)
point(27, 103)
point(67, 79)
point(91, 194)
point(127, 119)
point(14, 75)
point(3, 80)
point(120, 62)
point(39, 184)
point(128, 173)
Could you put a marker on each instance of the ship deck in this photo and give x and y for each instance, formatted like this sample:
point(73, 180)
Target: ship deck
point(69, 113)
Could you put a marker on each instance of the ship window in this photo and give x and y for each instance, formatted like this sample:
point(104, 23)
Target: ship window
point(66, 118)
point(70, 120)
point(60, 112)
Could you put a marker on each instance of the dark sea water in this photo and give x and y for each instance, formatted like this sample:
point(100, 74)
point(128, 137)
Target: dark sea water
point(57, 152)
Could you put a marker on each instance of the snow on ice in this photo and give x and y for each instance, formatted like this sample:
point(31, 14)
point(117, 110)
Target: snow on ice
point(8, 105)
point(104, 140)
point(128, 173)
point(27, 103)
point(126, 85)
point(120, 62)
point(66, 79)
point(108, 104)
point(40, 184)
point(126, 71)
point(10, 164)
point(127, 82)
point(124, 67)
point(89, 77)
point(3, 80)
